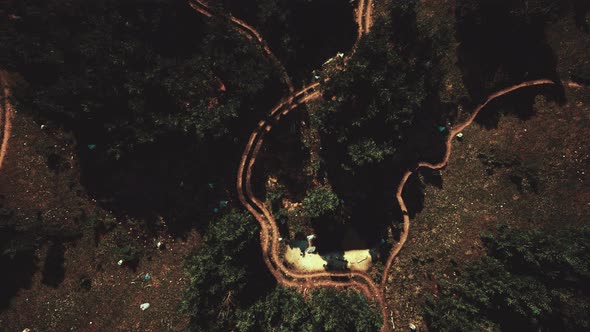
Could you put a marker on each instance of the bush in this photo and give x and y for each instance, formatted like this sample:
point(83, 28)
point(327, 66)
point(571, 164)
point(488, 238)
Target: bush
point(219, 272)
point(320, 201)
point(531, 280)
point(326, 310)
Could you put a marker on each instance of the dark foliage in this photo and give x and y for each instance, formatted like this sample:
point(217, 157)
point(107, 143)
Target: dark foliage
point(529, 281)
point(326, 310)
point(156, 95)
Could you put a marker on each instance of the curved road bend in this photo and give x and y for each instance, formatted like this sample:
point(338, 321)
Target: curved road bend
point(442, 164)
point(6, 115)
point(269, 231)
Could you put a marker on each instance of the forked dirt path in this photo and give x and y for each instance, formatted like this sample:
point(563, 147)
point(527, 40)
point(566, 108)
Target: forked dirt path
point(269, 234)
point(6, 115)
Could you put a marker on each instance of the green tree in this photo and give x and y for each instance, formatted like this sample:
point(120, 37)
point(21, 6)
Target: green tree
point(367, 152)
point(320, 201)
point(219, 272)
point(283, 310)
point(326, 310)
point(347, 311)
point(157, 96)
point(386, 89)
point(531, 280)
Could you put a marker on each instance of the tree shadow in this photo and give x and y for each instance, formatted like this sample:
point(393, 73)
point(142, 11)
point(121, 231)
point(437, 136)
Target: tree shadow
point(18, 262)
point(368, 191)
point(502, 43)
point(581, 9)
point(432, 177)
point(298, 32)
point(17, 273)
point(285, 155)
point(53, 272)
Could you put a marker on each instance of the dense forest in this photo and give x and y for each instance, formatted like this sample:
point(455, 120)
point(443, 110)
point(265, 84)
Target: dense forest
point(149, 89)
point(159, 101)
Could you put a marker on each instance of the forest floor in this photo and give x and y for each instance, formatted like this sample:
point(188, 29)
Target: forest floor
point(82, 288)
point(541, 182)
point(529, 173)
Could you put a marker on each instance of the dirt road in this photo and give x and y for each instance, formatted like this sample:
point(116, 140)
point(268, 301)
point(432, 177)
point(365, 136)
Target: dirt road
point(6, 115)
point(269, 235)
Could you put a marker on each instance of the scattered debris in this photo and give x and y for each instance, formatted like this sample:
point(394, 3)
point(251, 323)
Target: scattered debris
point(144, 306)
point(460, 136)
point(120, 262)
point(412, 327)
point(328, 61)
point(147, 277)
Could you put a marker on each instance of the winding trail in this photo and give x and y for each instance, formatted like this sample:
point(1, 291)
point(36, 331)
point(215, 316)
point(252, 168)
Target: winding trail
point(250, 33)
point(6, 115)
point(448, 147)
point(269, 233)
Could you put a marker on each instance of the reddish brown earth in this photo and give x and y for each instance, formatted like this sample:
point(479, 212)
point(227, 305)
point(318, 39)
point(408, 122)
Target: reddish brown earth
point(28, 182)
point(33, 190)
point(269, 230)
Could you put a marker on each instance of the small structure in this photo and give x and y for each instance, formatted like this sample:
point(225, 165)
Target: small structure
point(460, 136)
point(144, 306)
point(120, 262)
point(310, 239)
point(310, 247)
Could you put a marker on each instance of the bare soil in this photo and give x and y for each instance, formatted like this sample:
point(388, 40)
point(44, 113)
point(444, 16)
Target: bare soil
point(42, 195)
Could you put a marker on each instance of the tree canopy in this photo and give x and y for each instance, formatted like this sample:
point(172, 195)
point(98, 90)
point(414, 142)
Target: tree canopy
point(320, 201)
point(326, 310)
point(530, 280)
point(230, 290)
point(157, 96)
